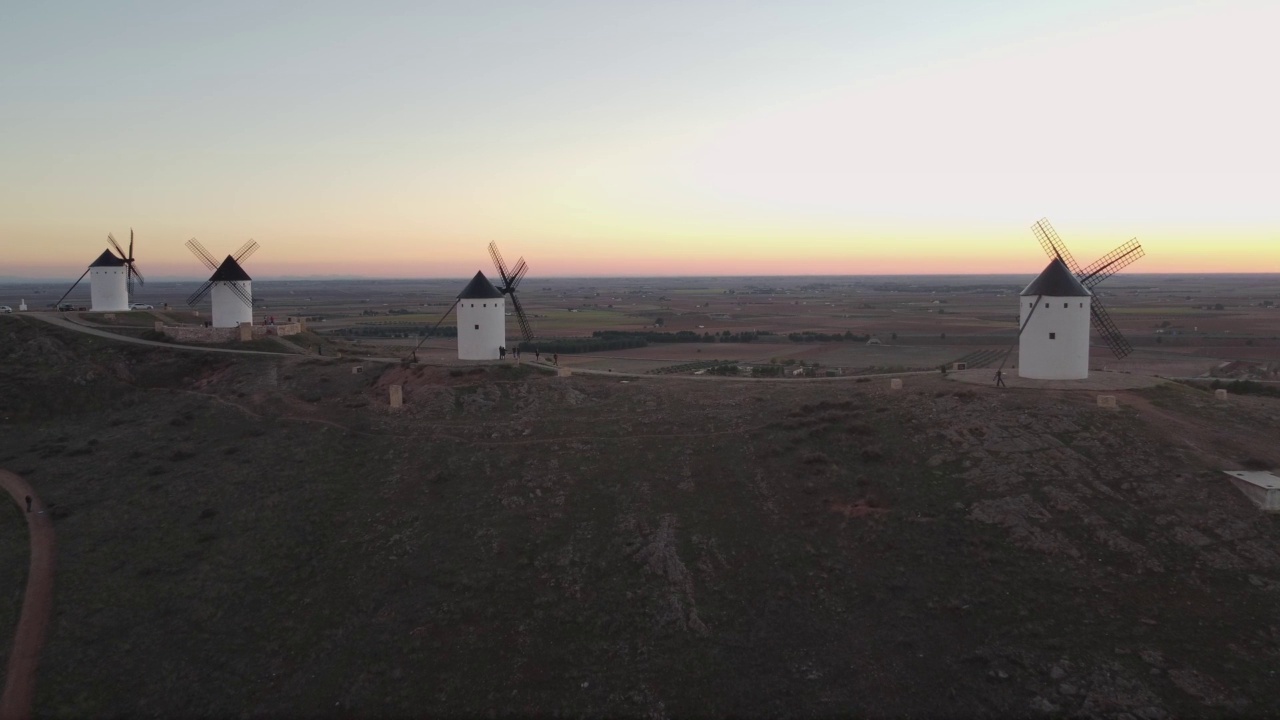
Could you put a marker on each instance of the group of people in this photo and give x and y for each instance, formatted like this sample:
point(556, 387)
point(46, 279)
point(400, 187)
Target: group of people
point(515, 353)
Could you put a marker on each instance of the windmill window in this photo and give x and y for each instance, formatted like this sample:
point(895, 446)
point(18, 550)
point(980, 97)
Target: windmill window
point(1081, 304)
point(1046, 306)
point(1053, 336)
point(477, 327)
point(1065, 305)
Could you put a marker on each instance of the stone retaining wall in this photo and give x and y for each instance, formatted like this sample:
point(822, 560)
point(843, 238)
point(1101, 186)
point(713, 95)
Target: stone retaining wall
point(198, 334)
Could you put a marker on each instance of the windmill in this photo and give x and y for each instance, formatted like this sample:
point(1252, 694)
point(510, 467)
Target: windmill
point(110, 279)
point(482, 317)
point(1053, 341)
point(230, 285)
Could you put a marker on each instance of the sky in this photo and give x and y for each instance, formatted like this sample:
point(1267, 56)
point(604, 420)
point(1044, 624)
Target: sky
point(609, 138)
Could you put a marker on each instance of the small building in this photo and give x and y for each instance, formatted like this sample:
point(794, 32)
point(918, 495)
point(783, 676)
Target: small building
point(1053, 343)
point(108, 284)
point(482, 320)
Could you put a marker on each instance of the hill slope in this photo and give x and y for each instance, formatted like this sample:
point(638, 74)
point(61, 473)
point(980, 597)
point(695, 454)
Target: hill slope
point(265, 536)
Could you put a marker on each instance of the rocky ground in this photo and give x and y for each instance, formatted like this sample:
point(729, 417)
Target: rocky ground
point(267, 536)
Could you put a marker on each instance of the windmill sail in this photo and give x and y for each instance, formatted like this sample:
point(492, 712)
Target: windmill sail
point(1102, 322)
point(1101, 269)
point(1112, 263)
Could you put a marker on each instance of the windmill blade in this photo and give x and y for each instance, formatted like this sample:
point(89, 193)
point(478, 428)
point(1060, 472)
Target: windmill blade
point(111, 239)
point(434, 327)
point(246, 251)
point(1053, 245)
point(198, 295)
point(201, 254)
point(1035, 306)
point(133, 273)
point(518, 272)
point(245, 297)
point(1102, 322)
point(499, 264)
point(525, 328)
point(130, 244)
point(1112, 263)
point(68, 292)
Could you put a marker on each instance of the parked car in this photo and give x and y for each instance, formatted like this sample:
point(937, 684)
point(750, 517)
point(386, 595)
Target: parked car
point(141, 306)
point(5, 309)
point(66, 307)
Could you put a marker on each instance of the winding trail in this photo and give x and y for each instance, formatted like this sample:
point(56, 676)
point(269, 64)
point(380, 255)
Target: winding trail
point(37, 603)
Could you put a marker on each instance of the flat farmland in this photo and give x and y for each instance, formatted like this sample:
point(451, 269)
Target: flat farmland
point(1181, 323)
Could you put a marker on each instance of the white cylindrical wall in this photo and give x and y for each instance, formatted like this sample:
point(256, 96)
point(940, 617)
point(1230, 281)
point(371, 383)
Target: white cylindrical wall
point(1054, 345)
point(108, 289)
point(228, 309)
point(482, 328)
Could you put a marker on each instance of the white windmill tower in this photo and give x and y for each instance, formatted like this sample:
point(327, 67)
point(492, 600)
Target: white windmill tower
point(482, 312)
point(482, 320)
point(1054, 342)
point(110, 279)
point(1059, 306)
point(231, 286)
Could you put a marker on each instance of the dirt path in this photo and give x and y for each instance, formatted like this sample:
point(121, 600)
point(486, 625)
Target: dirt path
point(37, 603)
point(1217, 446)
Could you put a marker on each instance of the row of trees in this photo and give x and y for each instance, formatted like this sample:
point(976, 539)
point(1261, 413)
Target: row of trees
point(847, 336)
point(571, 346)
point(396, 331)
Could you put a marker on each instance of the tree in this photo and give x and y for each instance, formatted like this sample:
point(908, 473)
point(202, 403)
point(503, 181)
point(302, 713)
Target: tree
point(658, 322)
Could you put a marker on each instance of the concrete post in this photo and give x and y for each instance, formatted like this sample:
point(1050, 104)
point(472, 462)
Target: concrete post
point(1220, 393)
point(246, 332)
point(563, 372)
point(159, 326)
point(895, 384)
point(397, 396)
point(1107, 401)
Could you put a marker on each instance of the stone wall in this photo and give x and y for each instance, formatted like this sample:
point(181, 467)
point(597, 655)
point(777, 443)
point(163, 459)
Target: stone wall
point(197, 334)
point(200, 334)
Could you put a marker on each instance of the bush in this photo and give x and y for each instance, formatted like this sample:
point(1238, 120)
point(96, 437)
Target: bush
point(1247, 387)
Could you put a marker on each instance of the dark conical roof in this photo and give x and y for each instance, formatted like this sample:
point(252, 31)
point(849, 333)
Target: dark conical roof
point(229, 271)
point(479, 288)
point(1056, 281)
point(107, 259)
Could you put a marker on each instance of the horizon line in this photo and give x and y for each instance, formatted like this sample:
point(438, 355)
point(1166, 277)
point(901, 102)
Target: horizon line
point(17, 280)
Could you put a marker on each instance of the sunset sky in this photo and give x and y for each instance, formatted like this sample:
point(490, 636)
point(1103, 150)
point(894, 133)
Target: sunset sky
point(639, 138)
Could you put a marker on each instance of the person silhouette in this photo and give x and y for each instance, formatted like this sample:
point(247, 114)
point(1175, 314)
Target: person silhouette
point(1000, 379)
